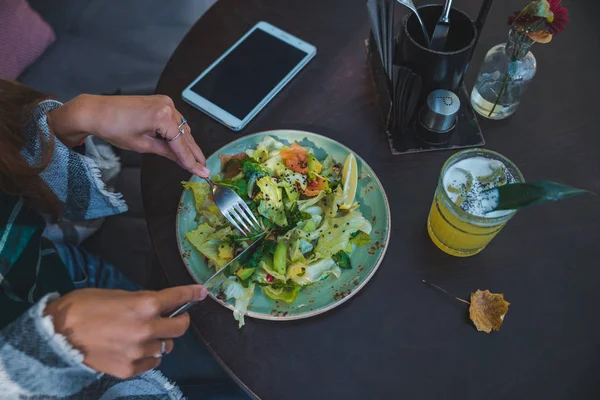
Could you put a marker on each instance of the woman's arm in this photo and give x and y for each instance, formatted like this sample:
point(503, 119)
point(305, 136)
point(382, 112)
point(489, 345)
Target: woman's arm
point(145, 124)
point(61, 345)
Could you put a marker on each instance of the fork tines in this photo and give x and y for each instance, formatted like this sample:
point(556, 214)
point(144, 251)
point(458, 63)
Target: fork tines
point(242, 218)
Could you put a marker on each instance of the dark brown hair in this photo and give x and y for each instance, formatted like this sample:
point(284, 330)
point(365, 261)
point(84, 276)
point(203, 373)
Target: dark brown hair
point(17, 177)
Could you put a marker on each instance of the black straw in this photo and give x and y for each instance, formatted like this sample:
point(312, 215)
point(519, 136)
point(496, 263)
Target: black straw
point(483, 13)
point(484, 10)
point(391, 41)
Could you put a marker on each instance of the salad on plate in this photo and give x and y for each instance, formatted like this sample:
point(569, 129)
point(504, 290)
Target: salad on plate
point(308, 207)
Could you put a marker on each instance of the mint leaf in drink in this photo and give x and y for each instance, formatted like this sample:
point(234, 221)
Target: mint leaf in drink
point(519, 195)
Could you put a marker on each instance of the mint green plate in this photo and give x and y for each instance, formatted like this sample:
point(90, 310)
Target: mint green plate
point(324, 295)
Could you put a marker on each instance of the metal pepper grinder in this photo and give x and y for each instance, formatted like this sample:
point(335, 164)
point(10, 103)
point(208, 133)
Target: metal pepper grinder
point(437, 118)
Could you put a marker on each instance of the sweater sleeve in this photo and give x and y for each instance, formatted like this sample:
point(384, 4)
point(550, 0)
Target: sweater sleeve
point(75, 179)
point(35, 360)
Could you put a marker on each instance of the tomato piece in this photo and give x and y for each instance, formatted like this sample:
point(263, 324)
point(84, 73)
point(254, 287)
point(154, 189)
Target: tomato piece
point(296, 158)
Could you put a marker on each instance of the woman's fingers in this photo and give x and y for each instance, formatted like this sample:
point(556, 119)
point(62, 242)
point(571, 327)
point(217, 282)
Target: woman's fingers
point(194, 148)
point(160, 147)
point(191, 163)
point(197, 153)
point(188, 153)
point(170, 327)
point(168, 128)
point(171, 298)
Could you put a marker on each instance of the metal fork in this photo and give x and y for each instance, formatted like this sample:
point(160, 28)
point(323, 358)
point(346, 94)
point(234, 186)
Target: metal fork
point(411, 6)
point(234, 209)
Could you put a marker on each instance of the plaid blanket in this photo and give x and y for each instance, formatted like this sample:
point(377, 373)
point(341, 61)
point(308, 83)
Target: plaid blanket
point(35, 361)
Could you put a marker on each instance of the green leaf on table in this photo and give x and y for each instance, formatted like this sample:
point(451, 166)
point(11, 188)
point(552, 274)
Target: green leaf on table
point(519, 195)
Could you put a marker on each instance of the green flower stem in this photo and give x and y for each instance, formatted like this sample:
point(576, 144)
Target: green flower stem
point(445, 292)
point(502, 90)
point(514, 58)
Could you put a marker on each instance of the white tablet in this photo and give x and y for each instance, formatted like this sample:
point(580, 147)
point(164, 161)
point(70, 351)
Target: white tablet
point(244, 79)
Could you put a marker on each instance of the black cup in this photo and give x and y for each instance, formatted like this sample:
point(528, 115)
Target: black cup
point(438, 69)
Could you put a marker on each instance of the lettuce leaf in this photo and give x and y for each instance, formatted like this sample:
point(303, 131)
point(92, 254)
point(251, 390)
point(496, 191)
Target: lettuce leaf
point(212, 216)
point(321, 269)
point(233, 289)
point(261, 154)
point(305, 246)
point(281, 291)
point(210, 249)
point(295, 252)
point(314, 211)
point(225, 251)
point(360, 238)
point(223, 233)
point(200, 190)
point(327, 169)
point(267, 266)
point(207, 240)
point(302, 232)
point(304, 275)
point(310, 225)
point(335, 233)
point(202, 234)
point(270, 143)
point(303, 205)
point(275, 165)
point(290, 181)
point(332, 201)
point(271, 203)
point(207, 211)
point(342, 259)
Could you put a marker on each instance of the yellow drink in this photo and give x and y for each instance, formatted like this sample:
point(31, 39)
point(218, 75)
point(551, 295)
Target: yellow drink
point(455, 230)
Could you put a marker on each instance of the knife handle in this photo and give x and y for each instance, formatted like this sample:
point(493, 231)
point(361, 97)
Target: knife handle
point(446, 12)
point(182, 309)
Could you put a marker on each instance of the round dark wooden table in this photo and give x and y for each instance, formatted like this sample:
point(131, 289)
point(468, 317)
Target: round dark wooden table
point(398, 338)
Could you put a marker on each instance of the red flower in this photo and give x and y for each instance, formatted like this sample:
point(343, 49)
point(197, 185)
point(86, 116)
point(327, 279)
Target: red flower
point(555, 24)
point(561, 17)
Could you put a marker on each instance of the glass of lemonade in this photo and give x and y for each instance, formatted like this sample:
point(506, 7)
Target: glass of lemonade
point(459, 222)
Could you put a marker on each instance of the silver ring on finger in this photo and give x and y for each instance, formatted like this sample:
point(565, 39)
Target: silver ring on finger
point(183, 122)
point(163, 350)
point(181, 132)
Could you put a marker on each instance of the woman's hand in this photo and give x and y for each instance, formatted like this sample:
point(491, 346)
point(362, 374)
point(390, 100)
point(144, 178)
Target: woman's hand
point(139, 123)
point(119, 332)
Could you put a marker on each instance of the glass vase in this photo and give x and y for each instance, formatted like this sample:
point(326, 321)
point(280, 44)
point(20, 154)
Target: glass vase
point(504, 76)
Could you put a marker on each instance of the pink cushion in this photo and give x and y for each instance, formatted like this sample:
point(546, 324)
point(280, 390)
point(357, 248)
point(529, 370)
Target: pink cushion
point(24, 36)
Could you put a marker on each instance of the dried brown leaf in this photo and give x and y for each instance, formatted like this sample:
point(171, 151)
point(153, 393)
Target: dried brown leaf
point(540, 36)
point(487, 310)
